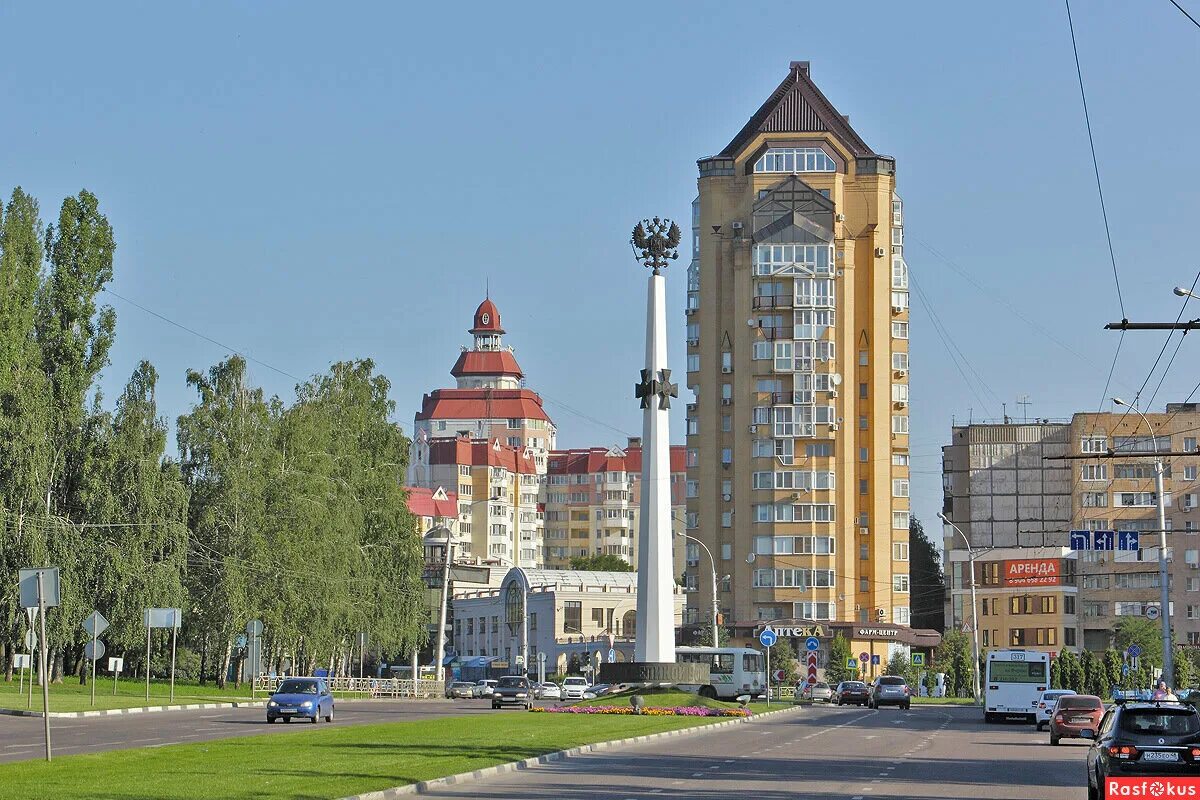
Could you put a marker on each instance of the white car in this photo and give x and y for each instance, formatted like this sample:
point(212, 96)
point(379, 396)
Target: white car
point(574, 687)
point(485, 688)
point(547, 691)
point(1045, 706)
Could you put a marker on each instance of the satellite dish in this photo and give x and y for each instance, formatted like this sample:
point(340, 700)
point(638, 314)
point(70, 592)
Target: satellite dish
point(836, 379)
point(750, 558)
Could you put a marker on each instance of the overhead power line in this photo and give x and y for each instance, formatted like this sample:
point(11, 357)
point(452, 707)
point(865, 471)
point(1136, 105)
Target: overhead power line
point(1183, 11)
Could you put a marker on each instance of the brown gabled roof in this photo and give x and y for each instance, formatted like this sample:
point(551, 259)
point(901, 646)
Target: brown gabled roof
point(798, 106)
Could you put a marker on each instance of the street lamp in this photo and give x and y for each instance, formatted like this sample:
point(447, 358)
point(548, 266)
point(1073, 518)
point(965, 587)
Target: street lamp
point(587, 654)
point(715, 641)
point(442, 536)
point(1179, 290)
point(1160, 502)
point(974, 613)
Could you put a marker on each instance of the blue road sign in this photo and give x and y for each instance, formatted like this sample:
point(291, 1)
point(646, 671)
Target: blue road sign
point(1128, 540)
point(851, 662)
point(1134, 650)
point(1081, 540)
point(875, 659)
point(812, 644)
point(1103, 540)
point(767, 638)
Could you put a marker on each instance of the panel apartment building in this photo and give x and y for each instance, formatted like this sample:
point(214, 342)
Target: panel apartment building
point(797, 343)
point(1017, 508)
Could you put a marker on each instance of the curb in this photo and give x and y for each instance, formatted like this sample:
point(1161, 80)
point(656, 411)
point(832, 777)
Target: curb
point(112, 712)
point(548, 758)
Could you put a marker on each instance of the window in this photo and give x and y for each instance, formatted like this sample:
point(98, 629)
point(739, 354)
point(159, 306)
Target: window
point(726, 423)
point(793, 259)
point(1094, 444)
point(899, 392)
point(899, 361)
point(1189, 473)
point(572, 616)
point(864, 454)
point(726, 519)
point(899, 459)
point(900, 520)
point(900, 424)
point(1095, 499)
point(901, 615)
point(900, 584)
point(1094, 472)
point(899, 330)
point(900, 551)
point(815, 610)
point(726, 391)
point(864, 486)
point(693, 457)
point(795, 159)
point(693, 362)
point(899, 273)
point(726, 455)
point(900, 300)
point(897, 211)
point(900, 487)
point(1189, 444)
point(863, 358)
point(1133, 499)
point(726, 552)
point(863, 423)
point(822, 450)
point(693, 488)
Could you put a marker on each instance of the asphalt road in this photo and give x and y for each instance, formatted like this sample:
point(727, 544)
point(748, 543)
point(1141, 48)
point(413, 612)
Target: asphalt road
point(21, 737)
point(821, 752)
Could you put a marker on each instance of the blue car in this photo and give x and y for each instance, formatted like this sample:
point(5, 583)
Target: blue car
point(301, 697)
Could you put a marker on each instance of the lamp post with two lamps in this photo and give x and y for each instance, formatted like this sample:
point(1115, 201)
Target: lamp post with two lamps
point(716, 642)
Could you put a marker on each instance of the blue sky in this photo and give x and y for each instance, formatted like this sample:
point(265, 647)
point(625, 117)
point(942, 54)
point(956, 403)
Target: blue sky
point(310, 183)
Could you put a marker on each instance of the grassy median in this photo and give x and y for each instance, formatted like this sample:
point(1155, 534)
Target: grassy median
point(324, 761)
point(70, 695)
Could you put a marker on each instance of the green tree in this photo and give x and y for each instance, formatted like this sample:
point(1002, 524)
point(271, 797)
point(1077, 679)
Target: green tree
point(953, 657)
point(1185, 670)
point(927, 578)
point(901, 664)
point(1070, 671)
point(601, 563)
point(1144, 633)
point(836, 670)
point(1093, 674)
point(1113, 670)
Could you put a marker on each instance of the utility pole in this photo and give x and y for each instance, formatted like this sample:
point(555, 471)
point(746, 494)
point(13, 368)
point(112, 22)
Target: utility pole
point(974, 606)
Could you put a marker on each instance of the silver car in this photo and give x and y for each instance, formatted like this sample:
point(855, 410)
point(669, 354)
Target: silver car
point(817, 692)
point(485, 688)
point(547, 691)
point(890, 690)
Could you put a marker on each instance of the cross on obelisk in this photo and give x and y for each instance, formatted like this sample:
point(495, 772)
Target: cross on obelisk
point(655, 242)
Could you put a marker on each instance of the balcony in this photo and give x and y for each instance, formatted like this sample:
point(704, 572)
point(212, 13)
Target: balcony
point(774, 301)
point(771, 334)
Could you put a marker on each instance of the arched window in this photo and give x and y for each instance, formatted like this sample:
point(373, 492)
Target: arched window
point(629, 624)
point(795, 159)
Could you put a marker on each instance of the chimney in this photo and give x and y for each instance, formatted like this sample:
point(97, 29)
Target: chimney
point(635, 441)
point(800, 65)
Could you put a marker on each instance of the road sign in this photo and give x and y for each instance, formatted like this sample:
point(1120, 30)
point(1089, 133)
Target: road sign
point(28, 582)
point(767, 638)
point(864, 657)
point(254, 627)
point(519, 660)
point(116, 665)
point(812, 643)
point(94, 650)
point(918, 659)
point(812, 667)
point(1081, 540)
point(612, 655)
point(851, 662)
point(541, 658)
point(779, 675)
point(30, 640)
point(1128, 540)
point(95, 624)
point(1153, 612)
point(476, 575)
point(240, 640)
point(875, 659)
point(31, 612)
point(1103, 540)
point(1133, 651)
point(162, 618)
point(22, 661)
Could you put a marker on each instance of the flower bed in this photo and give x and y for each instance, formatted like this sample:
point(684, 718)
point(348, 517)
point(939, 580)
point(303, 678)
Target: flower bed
point(650, 711)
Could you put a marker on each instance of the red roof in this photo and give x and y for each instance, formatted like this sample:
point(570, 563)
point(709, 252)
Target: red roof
point(487, 318)
point(487, 362)
point(597, 459)
point(482, 404)
point(478, 453)
point(422, 503)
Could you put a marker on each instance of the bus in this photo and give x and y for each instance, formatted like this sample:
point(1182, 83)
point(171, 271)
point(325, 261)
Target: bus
point(733, 671)
point(1014, 683)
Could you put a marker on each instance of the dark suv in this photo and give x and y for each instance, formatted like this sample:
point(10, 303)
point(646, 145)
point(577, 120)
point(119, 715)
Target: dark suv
point(890, 690)
point(512, 690)
point(1138, 739)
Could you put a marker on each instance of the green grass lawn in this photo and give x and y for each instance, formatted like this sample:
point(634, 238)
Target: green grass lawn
point(70, 695)
point(322, 761)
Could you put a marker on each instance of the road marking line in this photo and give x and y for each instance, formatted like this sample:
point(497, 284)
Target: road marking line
point(697, 774)
point(729, 761)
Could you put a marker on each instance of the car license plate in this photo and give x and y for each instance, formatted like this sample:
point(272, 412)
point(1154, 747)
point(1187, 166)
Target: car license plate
point(1080, 720)
point(1159, 755)
point(289, 709)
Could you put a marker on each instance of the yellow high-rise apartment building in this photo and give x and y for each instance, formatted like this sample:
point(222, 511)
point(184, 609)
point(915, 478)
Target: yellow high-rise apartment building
point(797, 334)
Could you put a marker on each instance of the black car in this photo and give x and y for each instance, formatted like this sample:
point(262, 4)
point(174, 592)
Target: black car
point(513, 690)
point(1138, 739)
point(851, 693)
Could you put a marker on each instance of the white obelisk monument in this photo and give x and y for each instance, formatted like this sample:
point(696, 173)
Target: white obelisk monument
point(655, 241)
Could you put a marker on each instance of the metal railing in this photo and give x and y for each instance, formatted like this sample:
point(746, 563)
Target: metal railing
point(368, 687)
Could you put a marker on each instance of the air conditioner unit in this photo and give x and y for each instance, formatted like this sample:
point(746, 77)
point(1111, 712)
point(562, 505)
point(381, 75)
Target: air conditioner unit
point(879, 252)
point(726, 401)
point(895, 309)
point(879, 612)
point(833, 426)
point(864, 531)
point(754, 429)
point(726, 370)
point(737, 226)
point(901, 404)
point(693, 342)
point(689, 311)
point(833, 392)
point(901, 373)
point(857, 607)
point(839, 217)
point(726, 497)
